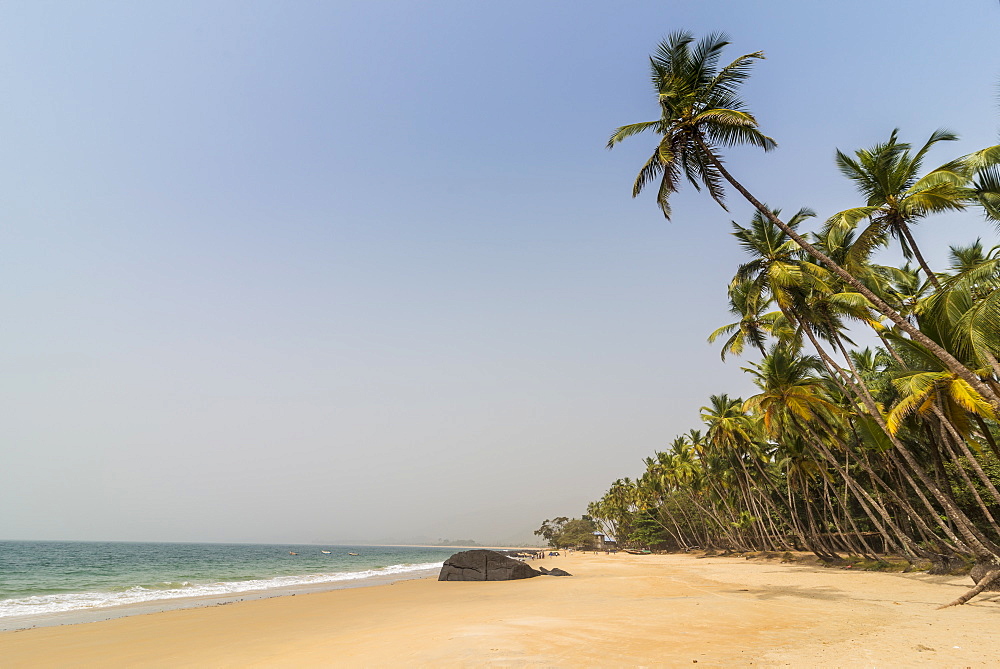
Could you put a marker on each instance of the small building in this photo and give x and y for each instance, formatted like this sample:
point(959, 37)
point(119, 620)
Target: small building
point(602, 542)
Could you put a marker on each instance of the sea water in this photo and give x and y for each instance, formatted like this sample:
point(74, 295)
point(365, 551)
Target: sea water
point(49, 582)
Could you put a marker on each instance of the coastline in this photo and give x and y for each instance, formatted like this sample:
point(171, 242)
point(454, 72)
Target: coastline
point(82, 616)
point(617, 610)
point(98, 602)
point(53, 583)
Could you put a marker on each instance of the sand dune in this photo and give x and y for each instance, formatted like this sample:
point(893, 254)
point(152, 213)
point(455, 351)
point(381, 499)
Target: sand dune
point(620, 610)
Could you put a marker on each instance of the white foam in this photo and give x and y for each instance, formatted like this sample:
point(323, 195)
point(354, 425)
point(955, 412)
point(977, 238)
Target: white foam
point(82, 601)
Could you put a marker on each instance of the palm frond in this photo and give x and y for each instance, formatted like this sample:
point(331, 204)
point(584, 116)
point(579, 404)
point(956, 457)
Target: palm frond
point(632, 129)
point(986, 189)
point(732, 76)
point(872, 237)
point(939, 135)
point(967, 398)
point(650, 171)
point(849, 218)
point(983, 159)
point(738, 135)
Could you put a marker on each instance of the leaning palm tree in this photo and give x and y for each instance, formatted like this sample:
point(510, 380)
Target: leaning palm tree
point(700, 113)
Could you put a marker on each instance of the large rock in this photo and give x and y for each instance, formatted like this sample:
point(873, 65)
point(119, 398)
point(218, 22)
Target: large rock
point(483, 565)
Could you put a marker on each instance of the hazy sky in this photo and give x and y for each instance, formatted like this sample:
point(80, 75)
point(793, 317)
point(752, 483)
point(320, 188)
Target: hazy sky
point(320, 271)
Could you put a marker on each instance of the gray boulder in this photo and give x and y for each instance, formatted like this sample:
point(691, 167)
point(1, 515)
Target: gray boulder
point(556, 571)
point(483, 565)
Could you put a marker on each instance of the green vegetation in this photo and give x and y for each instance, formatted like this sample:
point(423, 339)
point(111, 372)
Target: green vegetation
point(563, 532)
point(853, 453)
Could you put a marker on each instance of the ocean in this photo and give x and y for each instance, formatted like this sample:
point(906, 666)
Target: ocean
point(55, 582)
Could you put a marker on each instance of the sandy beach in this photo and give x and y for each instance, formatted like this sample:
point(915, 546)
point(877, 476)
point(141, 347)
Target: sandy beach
point(617, 610)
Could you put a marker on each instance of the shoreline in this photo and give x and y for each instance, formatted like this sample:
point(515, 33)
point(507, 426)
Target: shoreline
point(172, 600)
point(617, 610)
point(85, 616)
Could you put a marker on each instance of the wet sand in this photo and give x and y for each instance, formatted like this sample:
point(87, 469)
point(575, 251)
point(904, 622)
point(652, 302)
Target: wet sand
point(616, 611)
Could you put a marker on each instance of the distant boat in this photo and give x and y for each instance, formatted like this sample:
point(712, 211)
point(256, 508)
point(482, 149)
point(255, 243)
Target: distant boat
point(291, 553)
point(354, 553)
point(325, 552)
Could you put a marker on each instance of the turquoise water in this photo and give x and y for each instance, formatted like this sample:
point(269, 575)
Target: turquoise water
point(40, 579)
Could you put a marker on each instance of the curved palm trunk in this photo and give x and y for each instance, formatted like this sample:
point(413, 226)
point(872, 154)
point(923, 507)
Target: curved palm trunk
point(751, 501)
point(862, 544)
point(821, 547)
point(841, 538)
point(936, 349)
point(980, 544)
point(944, 523)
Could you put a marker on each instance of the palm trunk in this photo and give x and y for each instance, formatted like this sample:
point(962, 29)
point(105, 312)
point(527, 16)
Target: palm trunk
point(983, 508)
point(679, 537)
point(789, 506)
point(860, 493)
point(973, 461)
point(905, 229)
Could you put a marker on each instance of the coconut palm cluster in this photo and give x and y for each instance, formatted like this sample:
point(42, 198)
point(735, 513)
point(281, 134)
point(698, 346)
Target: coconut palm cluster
point(847, 451)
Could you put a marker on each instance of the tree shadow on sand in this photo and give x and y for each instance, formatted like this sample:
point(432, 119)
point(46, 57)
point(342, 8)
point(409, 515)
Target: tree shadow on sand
point(775, 592)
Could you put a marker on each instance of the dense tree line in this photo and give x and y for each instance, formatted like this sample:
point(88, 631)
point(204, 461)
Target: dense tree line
point(564, 532)
point(845, 450)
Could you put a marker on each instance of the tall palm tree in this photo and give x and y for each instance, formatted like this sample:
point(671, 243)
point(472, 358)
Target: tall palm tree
point(700, 113)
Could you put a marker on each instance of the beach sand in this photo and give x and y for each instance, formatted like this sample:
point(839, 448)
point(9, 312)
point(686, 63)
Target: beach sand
point(616, 611)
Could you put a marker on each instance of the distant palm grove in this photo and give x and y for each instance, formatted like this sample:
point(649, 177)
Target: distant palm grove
point(844, 451)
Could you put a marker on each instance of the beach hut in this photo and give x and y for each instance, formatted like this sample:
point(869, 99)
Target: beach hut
point(599, 540)
point(602, 542)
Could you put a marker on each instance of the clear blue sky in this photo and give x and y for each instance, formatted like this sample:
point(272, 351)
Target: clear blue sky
point(365, 270)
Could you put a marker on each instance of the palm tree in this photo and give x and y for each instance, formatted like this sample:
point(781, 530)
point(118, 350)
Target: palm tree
point(701, 112)
point(776, 265)
point(755, 323)
point(886, 175)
